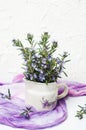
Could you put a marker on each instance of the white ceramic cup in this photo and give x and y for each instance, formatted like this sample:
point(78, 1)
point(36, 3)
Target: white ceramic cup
point(43, 97)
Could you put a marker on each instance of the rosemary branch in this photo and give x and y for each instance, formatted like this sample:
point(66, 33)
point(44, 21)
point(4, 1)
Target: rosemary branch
point(81, 112)
point(8, 96)
point(26, 112)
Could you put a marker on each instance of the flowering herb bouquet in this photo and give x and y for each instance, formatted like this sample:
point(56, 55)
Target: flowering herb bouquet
point(40, 64)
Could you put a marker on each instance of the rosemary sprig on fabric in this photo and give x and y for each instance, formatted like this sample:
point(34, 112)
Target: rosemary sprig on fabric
point(26, 113)
point(8, 96)
point(81, 112)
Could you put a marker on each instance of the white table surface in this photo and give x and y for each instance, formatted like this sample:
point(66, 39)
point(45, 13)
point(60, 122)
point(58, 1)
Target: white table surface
point(71, 123)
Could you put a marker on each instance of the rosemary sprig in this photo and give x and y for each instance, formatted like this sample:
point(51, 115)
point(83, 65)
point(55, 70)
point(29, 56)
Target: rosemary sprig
point(26, 113)
point(8, 96)
point(81, 112)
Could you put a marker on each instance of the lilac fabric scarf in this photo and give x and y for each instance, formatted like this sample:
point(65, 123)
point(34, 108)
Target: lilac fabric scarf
point(10, 110)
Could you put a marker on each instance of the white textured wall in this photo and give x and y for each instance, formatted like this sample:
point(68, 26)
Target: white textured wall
point(65, 20)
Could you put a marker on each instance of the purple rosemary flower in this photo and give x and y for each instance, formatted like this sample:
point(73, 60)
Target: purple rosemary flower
point(31, 77)
point(38, 70)
point(41, 71)
point(58, 60)
point(35, 76)
point(41, 77)
point(33, 65)
point(53, 78)
point(44, 66)
point(49, 58)
point(37, 55)
point(44, 60)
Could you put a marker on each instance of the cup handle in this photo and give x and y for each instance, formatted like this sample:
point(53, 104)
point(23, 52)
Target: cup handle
point(65, 92)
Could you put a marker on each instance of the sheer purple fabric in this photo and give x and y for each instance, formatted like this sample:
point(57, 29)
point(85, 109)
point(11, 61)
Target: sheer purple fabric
point(10, 110)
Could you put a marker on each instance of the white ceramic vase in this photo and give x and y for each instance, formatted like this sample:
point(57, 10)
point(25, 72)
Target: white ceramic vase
point(42, 96)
